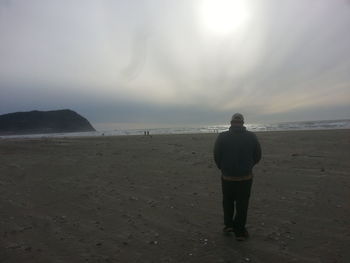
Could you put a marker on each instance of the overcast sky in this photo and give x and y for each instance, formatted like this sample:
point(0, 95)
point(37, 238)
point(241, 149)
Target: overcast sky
point(177, 62)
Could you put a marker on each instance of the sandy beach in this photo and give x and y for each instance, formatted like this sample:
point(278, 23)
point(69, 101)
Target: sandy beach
point(158, 199)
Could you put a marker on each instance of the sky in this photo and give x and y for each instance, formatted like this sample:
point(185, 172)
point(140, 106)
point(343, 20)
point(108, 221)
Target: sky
point(180, 62)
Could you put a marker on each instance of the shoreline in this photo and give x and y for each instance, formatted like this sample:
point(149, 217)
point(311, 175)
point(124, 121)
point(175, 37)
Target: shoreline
point(63, 136)
point(199, 129)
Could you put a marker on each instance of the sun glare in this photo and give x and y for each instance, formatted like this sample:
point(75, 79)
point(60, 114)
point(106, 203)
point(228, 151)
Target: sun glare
point(224, 16)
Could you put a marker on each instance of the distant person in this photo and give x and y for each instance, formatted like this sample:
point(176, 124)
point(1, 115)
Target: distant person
point(235, 153)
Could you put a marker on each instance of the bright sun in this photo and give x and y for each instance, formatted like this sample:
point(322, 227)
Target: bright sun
point(224, 16)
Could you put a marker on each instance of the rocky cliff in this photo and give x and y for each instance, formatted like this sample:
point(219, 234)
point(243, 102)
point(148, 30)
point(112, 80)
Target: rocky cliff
point(32, 122)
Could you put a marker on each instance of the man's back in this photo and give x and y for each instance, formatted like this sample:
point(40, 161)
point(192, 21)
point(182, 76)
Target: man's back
point(236, 152)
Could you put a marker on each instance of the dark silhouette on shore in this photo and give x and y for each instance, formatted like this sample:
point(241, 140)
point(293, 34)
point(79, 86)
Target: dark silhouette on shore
point(33, 122)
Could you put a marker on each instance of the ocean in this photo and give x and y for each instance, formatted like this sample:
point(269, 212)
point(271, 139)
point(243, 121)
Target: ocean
point(261, 127)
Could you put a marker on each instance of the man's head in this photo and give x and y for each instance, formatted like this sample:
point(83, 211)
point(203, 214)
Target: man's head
point(237, 119)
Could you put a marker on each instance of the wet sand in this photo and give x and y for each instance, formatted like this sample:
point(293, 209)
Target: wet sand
point(158, 199)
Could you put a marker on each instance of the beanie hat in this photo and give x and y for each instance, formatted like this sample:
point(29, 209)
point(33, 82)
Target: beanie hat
point(237, 117)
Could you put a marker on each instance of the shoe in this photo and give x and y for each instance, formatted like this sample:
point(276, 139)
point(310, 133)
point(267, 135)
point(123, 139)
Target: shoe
point(242, 236)
point(228, 229)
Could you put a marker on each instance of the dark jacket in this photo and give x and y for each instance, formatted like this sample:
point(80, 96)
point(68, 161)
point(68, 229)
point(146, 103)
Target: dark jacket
point(237, 151)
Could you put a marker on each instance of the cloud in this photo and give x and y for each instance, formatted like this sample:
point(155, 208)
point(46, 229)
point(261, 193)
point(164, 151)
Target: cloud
point(156, 59)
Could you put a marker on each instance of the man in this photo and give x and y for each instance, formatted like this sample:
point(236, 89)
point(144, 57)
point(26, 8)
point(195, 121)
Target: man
point(235, 153)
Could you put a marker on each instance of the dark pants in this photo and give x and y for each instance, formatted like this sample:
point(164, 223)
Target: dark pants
point(236, 197)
